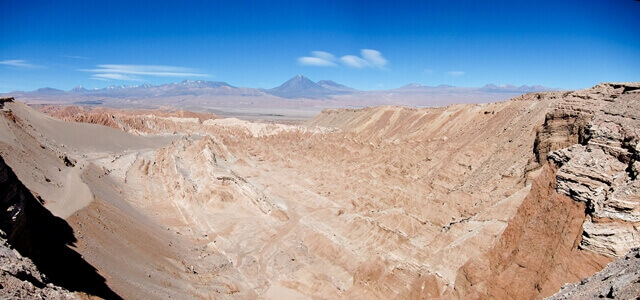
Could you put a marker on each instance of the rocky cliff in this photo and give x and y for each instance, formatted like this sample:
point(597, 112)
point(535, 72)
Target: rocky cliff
point(582, 210)
point(601, 169)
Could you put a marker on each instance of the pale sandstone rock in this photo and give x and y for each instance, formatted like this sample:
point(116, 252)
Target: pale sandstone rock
point(610, 238)
point(601, 170)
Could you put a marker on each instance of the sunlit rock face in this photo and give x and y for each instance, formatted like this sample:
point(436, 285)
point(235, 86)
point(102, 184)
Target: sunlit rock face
point(602, 170)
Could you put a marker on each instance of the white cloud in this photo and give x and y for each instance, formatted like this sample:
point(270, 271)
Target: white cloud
point(123, 72)
point(427, 71)
point(19, 63)
point(324, 55)
point(354, 61)
point(455, 73)
point(318, 59)
point(369, 59)
point(114, 76)
point(315, 61)
point(151, 70)
point(374, 57)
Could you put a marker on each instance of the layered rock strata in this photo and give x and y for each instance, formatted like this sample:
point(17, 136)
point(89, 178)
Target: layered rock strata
point(601, 170)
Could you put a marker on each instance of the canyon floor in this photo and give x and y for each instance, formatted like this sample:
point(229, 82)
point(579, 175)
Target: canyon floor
point(502, 200)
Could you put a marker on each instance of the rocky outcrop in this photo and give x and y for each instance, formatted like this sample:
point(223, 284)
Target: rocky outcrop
point(561, 129)
point(134, 121)
point(619, 280)
point(536, 253)
point(3, 100)
point(601, 169)
point(583, 207)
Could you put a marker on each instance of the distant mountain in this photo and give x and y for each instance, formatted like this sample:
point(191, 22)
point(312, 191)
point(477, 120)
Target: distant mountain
point(332, 85)
point(489, 88)
point(418, 88)
point(197, 87)
point(184, 88)
point(508, 88)
point(301, 87)
point(78, 89)
point(204, 84)
point(48, 91)
point(297, 87)
point(412, 86)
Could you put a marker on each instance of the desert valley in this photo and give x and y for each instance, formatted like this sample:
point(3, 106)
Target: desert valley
point(292, 150)
point(510, 199)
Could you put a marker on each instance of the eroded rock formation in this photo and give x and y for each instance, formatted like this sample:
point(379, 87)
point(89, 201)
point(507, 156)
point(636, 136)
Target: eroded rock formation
point(506, 200)
point(586, 213)
point(602, 169)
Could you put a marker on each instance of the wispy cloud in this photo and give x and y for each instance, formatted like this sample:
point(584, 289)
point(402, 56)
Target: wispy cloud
point(19, 63)
point(374, 57)
point(368, 58)
point(428, 71)
point(114, 76)
point(318, 59)
point(315, 61)
point(75, 57)
point(354, 61)
point(124, 72)
point(455, 73)
point(324, 55)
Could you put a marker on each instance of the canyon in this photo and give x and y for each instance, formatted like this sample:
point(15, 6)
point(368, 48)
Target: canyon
point(509, 199)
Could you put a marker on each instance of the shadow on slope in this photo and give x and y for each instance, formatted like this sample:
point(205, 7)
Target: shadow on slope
point(36, 233)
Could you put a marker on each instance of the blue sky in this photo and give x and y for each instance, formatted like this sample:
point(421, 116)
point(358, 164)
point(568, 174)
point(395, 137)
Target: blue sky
point(366, 45)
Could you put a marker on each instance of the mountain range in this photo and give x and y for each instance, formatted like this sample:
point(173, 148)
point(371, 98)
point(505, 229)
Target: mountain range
point(296, 87)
